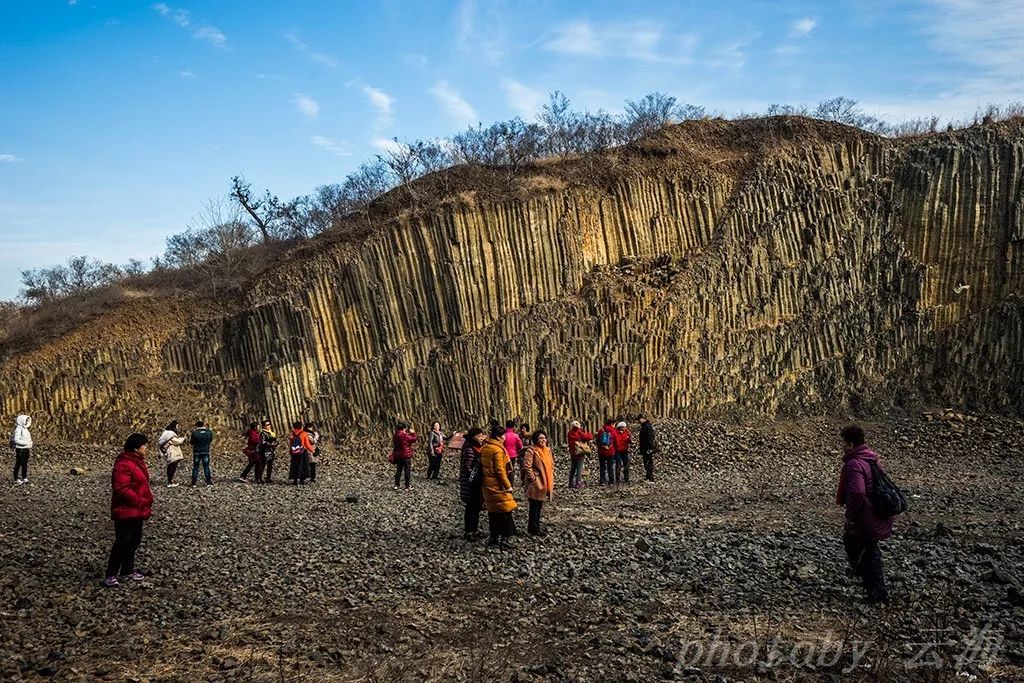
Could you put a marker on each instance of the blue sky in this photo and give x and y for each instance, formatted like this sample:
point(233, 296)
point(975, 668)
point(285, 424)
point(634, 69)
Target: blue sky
point(119, 119)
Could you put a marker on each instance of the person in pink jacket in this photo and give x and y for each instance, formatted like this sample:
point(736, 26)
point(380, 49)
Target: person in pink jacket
point(513, 445)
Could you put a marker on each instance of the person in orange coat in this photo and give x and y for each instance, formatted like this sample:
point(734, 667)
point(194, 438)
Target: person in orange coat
point(539, 466)
point(497, 480)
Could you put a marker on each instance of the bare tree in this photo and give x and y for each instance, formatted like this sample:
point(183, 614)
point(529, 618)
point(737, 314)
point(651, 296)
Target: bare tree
point(364, 185)
point(644, 116)
point(214, 244)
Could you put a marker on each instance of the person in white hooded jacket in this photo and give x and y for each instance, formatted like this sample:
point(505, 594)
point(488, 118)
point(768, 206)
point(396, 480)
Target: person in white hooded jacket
point(170, 446)
point(21, 442)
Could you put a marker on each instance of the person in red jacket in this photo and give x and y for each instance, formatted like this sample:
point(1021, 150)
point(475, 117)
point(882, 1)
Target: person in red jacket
point(252, 453)
point(576, 454)
point(131, 504)
point(401, 453)
point(622, 439)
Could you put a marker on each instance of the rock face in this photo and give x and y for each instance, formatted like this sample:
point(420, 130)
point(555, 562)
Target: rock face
point(760, 267)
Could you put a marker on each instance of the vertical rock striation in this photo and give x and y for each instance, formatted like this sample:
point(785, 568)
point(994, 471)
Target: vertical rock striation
point(807, 276)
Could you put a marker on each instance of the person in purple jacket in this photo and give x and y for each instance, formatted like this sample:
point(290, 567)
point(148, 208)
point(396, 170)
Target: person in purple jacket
point(864, 527)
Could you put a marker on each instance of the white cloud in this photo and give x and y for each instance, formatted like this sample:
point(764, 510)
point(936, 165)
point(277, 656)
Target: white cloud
point(380, 100)
point(212, 35)
point(801, 27)
point(388, 145)
point(305, 48)
point(72, 3)
point(641, 40)
point(178, 16)
point(488, 43)
point(524, 99)
point(10, 159)
point(338, 147)
point(187, 73)
point(457, 109)
point(307, 105)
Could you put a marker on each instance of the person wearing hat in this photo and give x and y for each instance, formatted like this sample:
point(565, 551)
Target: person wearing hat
point(577, 453)
point(622, 440)
point(131, 504)
point(648, 446)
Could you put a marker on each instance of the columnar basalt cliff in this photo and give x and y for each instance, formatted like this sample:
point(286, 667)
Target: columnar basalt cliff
point(767, 267)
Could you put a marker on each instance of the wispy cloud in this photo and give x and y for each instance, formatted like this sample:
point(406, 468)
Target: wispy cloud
point(336, 147)
point(205, 32)
point(640, 40)
point(521, 97)
point(178, 16)
point(983, 33)
point(801, 27)
point(388, 145)
point(72, 3)
point(382, 103)
point(458, 110)
point(213, 35)
point(10, 159)
point(470, 39)
point(307, 105)
point(187, 73)
point(305, 48)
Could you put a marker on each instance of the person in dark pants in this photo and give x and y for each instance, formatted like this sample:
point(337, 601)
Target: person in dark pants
point(435, 451)
point(401, 453)
point(577, 452)
point(648, 446)
point(623, 440)
point(300, 446)
point(540, 479)
point(131, 503)
point(21, 441)
point(251, 451)
point(864, 527)
point(497, 480)
point(268, 443)
point(313, 457)
point(200, 439)
point(606, 451)
point(471, 481)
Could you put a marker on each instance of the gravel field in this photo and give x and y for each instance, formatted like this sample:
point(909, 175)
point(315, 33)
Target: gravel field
point(729, 567)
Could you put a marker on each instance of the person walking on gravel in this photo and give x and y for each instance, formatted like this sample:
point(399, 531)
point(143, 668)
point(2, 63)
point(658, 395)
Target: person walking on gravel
point(435, 450)
point(513, 444)
point(864, 527)
point(539, 466)
point(131, 504)
point(169, 444)
point(401, 453)
point(471, 481)
point(579, 445)
point(201, 438)
point(251, 451)
point(300, 446)
point(648, 446)
point(268, 444)
point(21, 442)
point(622, 439)
point(606, 451)
point(497, 473)
point(314, 455)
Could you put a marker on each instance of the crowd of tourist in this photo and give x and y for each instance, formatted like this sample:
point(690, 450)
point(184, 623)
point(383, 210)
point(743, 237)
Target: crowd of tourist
point(489, 462)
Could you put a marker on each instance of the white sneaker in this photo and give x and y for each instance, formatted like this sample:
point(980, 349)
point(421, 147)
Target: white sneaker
point(19, 482)
point(173, 485)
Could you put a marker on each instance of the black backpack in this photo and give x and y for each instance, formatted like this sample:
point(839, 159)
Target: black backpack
point(887, 498)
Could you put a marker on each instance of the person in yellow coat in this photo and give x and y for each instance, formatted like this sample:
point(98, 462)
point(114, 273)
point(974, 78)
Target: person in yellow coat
point(497, 484)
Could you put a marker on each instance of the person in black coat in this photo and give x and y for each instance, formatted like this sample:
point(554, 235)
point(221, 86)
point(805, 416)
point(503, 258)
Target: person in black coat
point(648, 446)
point(471, 481)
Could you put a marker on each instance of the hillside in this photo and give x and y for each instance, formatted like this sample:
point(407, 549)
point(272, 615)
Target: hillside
point(717, 269)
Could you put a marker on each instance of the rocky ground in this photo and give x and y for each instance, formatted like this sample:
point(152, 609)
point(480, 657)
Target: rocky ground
point(728, 568)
